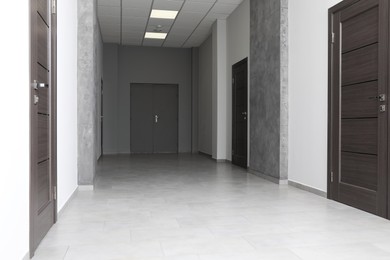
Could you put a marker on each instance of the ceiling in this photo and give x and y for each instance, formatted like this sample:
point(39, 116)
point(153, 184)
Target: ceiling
point(126, 21)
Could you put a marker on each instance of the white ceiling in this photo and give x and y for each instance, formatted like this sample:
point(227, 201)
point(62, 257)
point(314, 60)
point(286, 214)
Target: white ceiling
point(126, 21)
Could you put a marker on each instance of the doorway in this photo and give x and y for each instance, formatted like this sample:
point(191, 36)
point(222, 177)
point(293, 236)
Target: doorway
point(153, 118)
point(358, 112)
point(43, 150)
point(240, 113)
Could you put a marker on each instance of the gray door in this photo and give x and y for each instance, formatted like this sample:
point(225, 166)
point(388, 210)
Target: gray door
point(154, 118)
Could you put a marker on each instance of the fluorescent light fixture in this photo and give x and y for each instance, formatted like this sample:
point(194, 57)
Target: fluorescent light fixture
point(154, 35)
point(163, 14)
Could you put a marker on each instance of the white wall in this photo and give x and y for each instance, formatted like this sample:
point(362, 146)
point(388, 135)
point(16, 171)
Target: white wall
point(238, 40)
point(219, 91)
point(14, 132)
point(205, 97)
point(308, 72)
point(67, 100)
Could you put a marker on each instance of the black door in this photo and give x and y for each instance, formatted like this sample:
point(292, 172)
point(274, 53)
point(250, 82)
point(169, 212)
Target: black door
point(358, 88)
point(240, 113)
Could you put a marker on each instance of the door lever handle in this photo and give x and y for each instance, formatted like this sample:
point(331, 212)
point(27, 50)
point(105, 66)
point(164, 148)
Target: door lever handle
point(244, 113)
point(381, 97)
point(37, 85)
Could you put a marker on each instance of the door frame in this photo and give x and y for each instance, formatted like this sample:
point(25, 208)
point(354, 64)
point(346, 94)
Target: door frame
point(177, 103)
point(332, 187)
point(237, 64)
point(53, 114)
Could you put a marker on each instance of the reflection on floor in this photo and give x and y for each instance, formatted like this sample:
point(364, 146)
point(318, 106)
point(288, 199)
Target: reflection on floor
point(191, 208)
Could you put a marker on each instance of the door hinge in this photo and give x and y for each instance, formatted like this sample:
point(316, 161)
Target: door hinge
point(55, 192)
point(333, 37)
point(331, 176)
point(53, 6)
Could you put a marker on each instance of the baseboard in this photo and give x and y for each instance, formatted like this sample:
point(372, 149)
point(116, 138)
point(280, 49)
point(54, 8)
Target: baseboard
point(268, 178)
point(307, 188)
point(85, 188)
point(67, 203)
point(205, 154)
point(27, 256)
point(221, 160)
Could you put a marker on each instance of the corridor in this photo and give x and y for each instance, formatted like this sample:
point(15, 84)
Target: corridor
point(187, 207)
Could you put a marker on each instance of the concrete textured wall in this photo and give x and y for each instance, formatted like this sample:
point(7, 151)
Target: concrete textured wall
point(268, 88)
point(88, 80)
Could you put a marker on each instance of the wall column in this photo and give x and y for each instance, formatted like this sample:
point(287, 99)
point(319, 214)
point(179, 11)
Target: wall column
point(86, 92)
point(269, 89)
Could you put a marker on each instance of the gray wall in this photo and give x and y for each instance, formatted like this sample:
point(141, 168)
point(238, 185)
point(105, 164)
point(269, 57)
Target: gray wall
point(110, 108)
point(143, 65)
point(268, 88)
point(205, 97)
point(88, 80)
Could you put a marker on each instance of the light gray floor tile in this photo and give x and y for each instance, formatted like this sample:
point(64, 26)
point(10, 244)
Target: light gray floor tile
point(187, 207)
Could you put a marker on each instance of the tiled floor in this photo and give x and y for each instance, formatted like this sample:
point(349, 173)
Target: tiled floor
point(190, 208)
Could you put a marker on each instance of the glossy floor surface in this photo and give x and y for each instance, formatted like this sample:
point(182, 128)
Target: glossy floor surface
point(191, 208)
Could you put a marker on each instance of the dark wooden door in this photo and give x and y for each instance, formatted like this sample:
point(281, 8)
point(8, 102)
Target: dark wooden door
point(240, 113)
point(43, 130)
point(358, 87)
point(154, 118)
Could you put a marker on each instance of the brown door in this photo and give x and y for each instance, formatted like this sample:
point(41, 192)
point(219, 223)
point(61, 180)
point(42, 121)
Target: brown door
point(358, 104)
point(240, 113)
point(43, 133)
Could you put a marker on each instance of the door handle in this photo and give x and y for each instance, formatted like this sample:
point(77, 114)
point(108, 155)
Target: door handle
point(156, 119)
point(36, 85)
point(381, 97)
point(244, 113)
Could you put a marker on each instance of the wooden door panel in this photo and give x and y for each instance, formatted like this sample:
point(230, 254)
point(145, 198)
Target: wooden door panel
point(358, 126)
point(42, 8)
point(360, 170)
point(42, 43)
point(359, 101)
point(43, 138)
point(44, 93)
point(359, 198)
point(359, 135)
point(43, 197)
point(360, 30)
point(43, 148)
point(360, 65)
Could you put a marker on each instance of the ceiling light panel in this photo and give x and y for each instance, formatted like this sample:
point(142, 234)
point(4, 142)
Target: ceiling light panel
point(154, 35)
point(163, 14)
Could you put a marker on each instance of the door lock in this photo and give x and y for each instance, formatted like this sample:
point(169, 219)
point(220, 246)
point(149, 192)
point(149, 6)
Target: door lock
point(382, 108)
point(36, 99)
point(156, 119)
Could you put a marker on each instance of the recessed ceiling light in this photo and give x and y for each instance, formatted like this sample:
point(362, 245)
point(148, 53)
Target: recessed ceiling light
point(163, 14)
point(154, 35)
